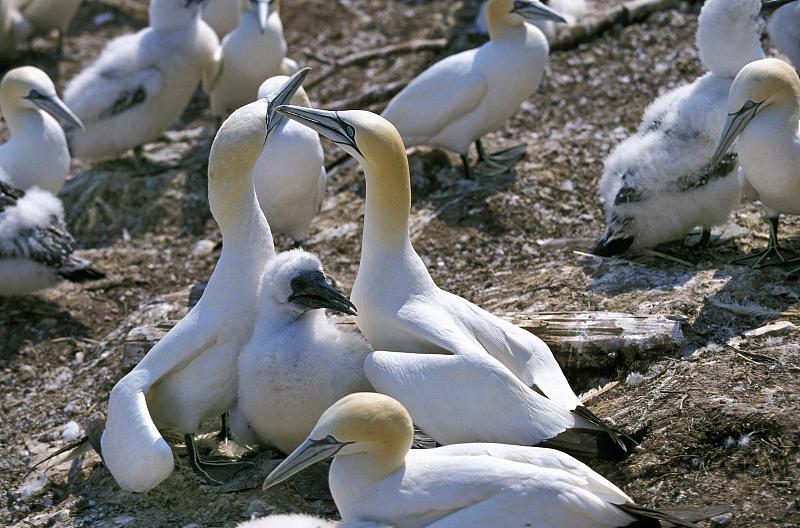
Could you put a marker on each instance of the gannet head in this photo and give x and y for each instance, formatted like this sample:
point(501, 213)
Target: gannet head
point(729, 35)
point(30, 88)
point(515, 12)
point(165, 14)
point(759, 85)
point(295, 281)
point(263, 10)
point(363, 422)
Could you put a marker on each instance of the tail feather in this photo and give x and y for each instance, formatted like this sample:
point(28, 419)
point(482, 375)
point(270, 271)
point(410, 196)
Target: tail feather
point(648, 517)
point(81, 271)
point(625, 442)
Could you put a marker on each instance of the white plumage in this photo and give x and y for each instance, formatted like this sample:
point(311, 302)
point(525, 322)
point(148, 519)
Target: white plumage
point(14, 29)
point(47, 15)
point(784, 30)
point(222, 15)
point(299, 520)
point(573, 12)
point(290, 176)
point(297, 364)
point(141, 83)
point(249, 54)
point(657, 184)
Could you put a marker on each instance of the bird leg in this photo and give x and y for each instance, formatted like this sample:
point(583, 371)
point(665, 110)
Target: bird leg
point(705, 240)
point(225, 431)
point(217, 470)
point(501, 159)
point(467, 168)
point(773, 255)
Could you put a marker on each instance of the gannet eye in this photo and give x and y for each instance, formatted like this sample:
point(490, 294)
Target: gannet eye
point(351, 132)
point(748, 105)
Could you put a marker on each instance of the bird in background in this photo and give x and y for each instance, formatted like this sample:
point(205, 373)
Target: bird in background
point(45, 16)
point(222, 15)
point(14, 28)
point(573, 12)
point(784, 28)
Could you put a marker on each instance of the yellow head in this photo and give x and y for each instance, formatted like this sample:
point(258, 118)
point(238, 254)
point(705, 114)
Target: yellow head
point(30, 88)
point(513, 13)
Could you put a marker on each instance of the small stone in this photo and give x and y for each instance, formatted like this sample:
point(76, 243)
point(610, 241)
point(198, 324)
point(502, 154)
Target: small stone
point(203, 248)
point(772, 329)
point(722, 520)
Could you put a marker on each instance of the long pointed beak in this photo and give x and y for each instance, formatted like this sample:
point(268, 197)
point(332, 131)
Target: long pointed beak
point(311, 291)
point(768, 6)
point(536, 10)
point(263, 9)
point(283, 96)
point(54, 106)
point(307, 454)
point(326, 123)
point(734, 126)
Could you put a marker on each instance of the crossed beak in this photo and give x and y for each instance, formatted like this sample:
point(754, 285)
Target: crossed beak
point(307, 454)
point(283, 96)
point(734, 126)
point(326, 123)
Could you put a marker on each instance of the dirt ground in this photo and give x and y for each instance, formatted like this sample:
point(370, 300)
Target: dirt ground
point(719, 414)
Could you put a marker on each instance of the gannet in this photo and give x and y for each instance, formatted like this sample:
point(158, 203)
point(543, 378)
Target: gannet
point(764, 113)
point(191, 374)
point(465, 96)
point(297, 364)
point(784, 29)
point(290, 176)
point(657, 185)
point(573, 12)
point(35, 246)
point(298, 520)
point(222, 15)
point(490, 380)
point(141, 83)
point(249, 54)
point(376, 476)
point(36, 154)
point(14, 29)
point(47, 15)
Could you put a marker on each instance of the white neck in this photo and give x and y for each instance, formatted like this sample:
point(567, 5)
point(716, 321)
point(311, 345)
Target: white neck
point(729, 35)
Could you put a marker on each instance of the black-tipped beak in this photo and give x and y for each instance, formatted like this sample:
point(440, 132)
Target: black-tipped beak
point(307, 454)
point(767, 6)
point(536, 10)
point(326, 123)
point(734, 126)
point(54, 106)
point(283, 96)
point(311, 291)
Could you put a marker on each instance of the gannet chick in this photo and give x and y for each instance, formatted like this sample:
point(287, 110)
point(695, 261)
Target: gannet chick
point(573, 12)
point(35, 246)
point(491, 381)
point(47, 15)
point(290, 176)
point(249, 54)
point(299, 520)
point(465, 96)
point(141, 83)
point(191, 374)
point(375, 475)
point(657, 185)
point(784, 29)
point(14, 29)
point(36, 154)
point(222, 15)
point(764, 113)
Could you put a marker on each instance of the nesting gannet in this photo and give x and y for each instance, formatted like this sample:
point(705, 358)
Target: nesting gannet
point(290, 176)
point(657, 185)
point(573, 12)
point(375, 475)
point(249, 54)
point(35, 246)
point(784, 29)
point(764, 113)
point(14, 29)
point(140, 83)
point(465, 96)
point(298, 520)
point(297, 364)
point(222, 15)
point(47, 15)
point(191, 374)
point(36, 154)
point(490, 380)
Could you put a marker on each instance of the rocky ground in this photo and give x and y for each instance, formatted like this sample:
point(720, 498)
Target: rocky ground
point(719, 414)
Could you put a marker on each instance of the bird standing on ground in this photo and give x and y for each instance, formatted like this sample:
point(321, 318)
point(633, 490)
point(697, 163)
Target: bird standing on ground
point(464, 374)
point(14, 29)
point(47, 15)
point(764, 114)
point(468, 95)
point(657, 185)
point(141, 83)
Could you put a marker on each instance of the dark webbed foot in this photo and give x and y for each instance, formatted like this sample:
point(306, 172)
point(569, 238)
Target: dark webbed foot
point(214, 470)
point(773, 255)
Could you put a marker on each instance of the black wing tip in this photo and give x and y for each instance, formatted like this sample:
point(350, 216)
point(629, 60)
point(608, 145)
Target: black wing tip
point(82, 273)
point(649, 517)
point(612, 444)
point(606, 247)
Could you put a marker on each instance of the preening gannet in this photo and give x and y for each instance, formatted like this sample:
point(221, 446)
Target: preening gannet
point(36, 154)
point(35, 246)
point(297, 364)
point(222, 15)
point(141, 83)
point(573, 12)
point(764, 113)
point(464, 374)
point(375, 476)
point(14, 29)
point(465, 96)
point(657, 185)
point(191, 374)
point(47, 15)
point(784, 29)
point(290, 176)
point(249, 54)
point(298, 520)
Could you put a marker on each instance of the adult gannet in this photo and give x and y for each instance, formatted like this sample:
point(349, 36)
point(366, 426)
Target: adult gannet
point(14, 29)
point(290, 176)
point(573, 12)
point(36, 154)
point(47, 15)
point(764, 113)
point(191, 374)
point(657, 184)
point(784, 28)
point(35, 246)
point(249, 54)
point(297, 364)
point(140, 83)
point(376, 476)
point(465, 96)
point(464, 374)
point(222, 15)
